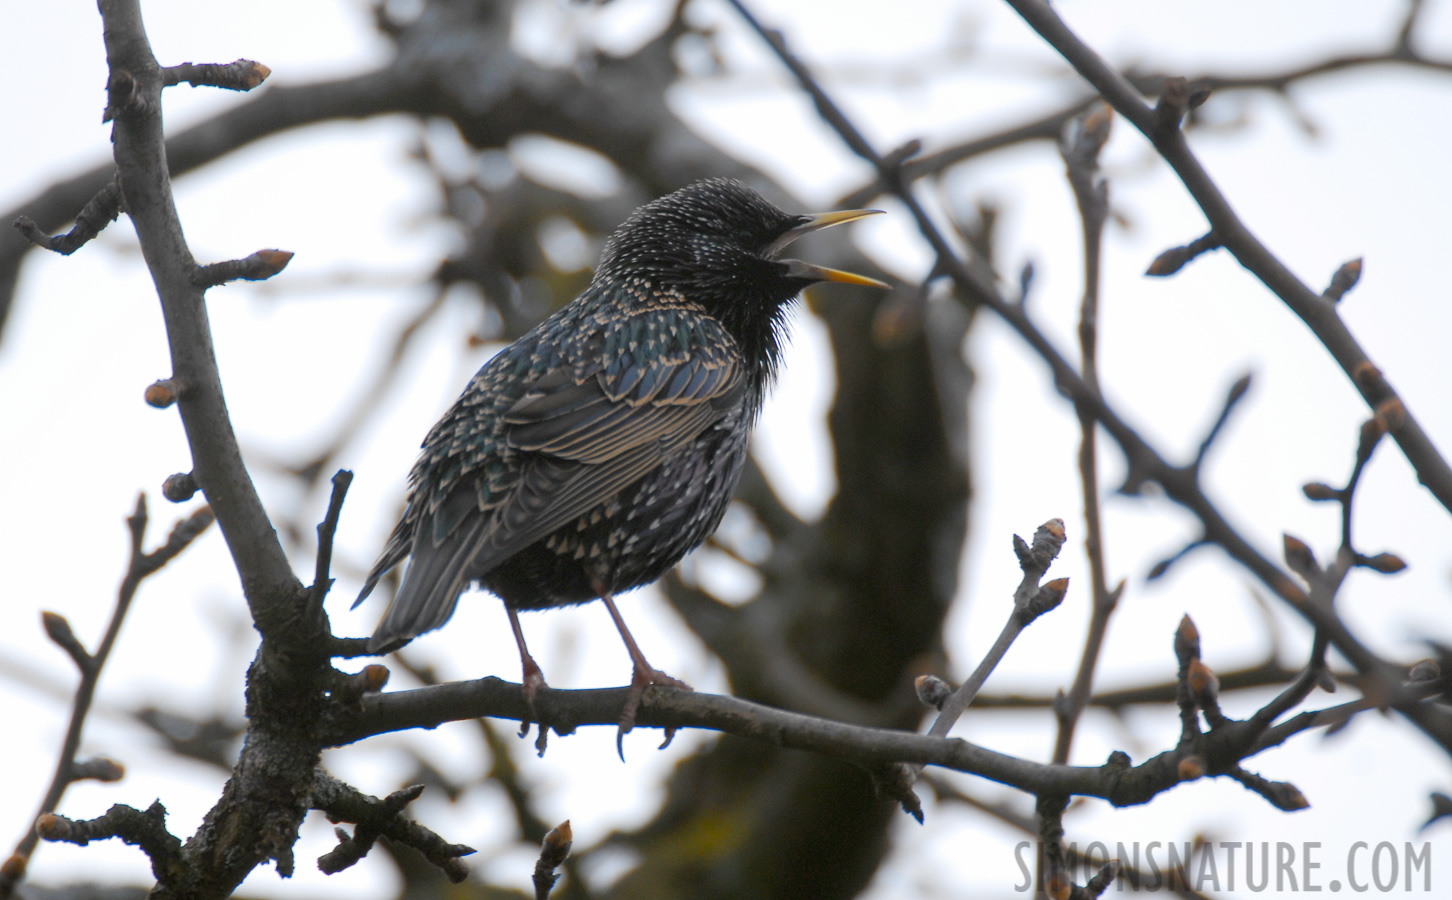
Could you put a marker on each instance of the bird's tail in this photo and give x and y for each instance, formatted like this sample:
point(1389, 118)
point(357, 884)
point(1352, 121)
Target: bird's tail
point(437, 574)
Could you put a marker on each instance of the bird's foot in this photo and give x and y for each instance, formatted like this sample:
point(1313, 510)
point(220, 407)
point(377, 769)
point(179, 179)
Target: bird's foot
point(641, 679)
point(532, 681)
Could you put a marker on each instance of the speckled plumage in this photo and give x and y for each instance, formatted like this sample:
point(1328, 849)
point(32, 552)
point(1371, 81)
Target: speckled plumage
point(590, 455)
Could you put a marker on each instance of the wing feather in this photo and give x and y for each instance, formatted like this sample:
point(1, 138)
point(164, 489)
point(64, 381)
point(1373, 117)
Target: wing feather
point(587, 442)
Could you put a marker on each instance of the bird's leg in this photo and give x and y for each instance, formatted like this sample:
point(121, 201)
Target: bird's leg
point(533, 678)
point(643, 676)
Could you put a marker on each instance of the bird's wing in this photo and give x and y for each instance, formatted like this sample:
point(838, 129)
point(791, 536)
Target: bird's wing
point(588, 439)
point(595, 419)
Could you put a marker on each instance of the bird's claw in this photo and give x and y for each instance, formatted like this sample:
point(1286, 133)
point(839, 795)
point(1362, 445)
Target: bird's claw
point(531, 683)
point(639, 681)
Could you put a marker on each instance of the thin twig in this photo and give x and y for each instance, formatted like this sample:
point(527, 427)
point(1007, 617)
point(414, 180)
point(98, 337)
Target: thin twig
point(327, 528)
point(375, 818)
point(554, 850)
point(1232, 399)
point(1318, 314)
point(1144, 463)
point(1313, 675)
point(1080, 149)
point(238, 75)
point(141, 565)
point(1333, 717)
point(101, 211)
point(1030, 601)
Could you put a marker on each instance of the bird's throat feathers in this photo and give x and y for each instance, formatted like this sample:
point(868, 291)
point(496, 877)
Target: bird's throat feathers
point(763, 341)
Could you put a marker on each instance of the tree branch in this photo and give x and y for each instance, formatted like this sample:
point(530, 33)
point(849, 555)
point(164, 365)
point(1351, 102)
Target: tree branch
point(1144, 463)
point(1318, 314)
point(135, 100)
point(68, 770)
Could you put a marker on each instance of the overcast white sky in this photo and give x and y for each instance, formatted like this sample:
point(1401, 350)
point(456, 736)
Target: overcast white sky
point(77, 443)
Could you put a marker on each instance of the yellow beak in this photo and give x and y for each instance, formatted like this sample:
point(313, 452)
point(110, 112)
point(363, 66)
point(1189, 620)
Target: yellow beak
point(816, 222)
point(798, 269)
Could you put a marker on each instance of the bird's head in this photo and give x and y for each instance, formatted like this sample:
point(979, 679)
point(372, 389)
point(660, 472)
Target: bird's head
point(717, 243)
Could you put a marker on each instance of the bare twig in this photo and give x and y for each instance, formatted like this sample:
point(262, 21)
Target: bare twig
point(1144, 463)
point(554, 850)
point(238, 75)
point(142, 564)
point(1283, 795)
point(1314, 675)
point(260, 266)
point(1080, 149)
point(1334, 717)
point(322, 580)
point(257, 817)
point(1232, 397)
point(1051, 125)
point(1318, 314)
point(1176, 258)
point(375, 818)
point(101, 211)
point(1030, 601)
point(146, 830)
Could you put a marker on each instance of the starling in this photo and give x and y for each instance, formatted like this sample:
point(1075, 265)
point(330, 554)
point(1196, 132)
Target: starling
point(589, 456)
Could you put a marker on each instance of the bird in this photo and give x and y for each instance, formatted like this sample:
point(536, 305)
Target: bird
point(590, 455)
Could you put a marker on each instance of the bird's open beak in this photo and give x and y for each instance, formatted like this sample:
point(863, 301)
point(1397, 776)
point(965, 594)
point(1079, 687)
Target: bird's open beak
point(798, 269)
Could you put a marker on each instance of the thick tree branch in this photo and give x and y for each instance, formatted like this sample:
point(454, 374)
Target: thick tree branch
point(257, 817)
point(135, 99)
point(1116, 781)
